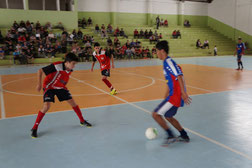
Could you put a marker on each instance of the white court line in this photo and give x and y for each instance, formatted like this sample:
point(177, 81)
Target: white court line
point(2, 100)
point(193, 132)
point(210, 91)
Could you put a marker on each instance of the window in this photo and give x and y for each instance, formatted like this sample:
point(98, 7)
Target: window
point(65, 5)
point(50, 5)
point(15, 4)
point(3, 4)
point(36, 4)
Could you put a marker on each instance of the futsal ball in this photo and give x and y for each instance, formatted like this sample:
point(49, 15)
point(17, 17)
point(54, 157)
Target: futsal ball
point(151, 133)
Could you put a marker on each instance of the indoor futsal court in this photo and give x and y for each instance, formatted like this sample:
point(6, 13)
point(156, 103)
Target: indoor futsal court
point(128, 63)
point(217, 121)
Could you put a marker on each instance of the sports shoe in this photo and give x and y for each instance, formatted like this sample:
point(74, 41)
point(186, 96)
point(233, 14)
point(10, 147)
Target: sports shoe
point(34, 133)
point(113, 92)
point(169, 141)
point(237, 69)
point(183, 138)
point(87, 124)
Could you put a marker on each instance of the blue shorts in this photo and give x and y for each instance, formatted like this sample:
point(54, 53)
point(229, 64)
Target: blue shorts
point(166, 109)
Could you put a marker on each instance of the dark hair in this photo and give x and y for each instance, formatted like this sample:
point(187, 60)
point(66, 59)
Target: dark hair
point(163, 45)
point(239, 38)
point(97, 44)
point(71, 57)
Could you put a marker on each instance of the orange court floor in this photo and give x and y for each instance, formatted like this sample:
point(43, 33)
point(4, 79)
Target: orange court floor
point(134, 84)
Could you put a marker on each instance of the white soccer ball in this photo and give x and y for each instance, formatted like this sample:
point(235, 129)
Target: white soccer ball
point(151, 133)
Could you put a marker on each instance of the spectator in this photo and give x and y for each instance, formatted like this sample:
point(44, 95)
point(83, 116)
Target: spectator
point(162, 22)
point(23, 58)
point(141, 35)
point(41, 51)
point(103, 32)
point(122, 33)
point(79, 34)
point(174, 34)
point(16, 55)
point(83, 23)
point(128, 44)
point(166, 23)
point(109, 42)
point(136, 34)
point(206, 44)
point(154, 51)
point(178, 34)
point(30, 56)
point(109, 29)
point(157, 21)
point(187, 23)
point(133, 51)
point(1, 53)
point(116, 42)
point(160, 36)
point(117, 32)
point(215, 50)
point(128, 53)
point(59, 26)
point(198, 44)
point(97, 29)
point(51, 37)
point(15, 25)
point(90, 22)
point(49, 51)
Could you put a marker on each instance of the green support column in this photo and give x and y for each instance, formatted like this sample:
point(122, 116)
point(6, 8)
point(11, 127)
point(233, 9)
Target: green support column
point(26, 4)
point(113, 18)
point(149, 19)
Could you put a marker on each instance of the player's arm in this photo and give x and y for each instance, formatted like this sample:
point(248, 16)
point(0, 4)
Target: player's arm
point(184, 94)
point(46, 70)
point(167, 92)
point(112, 60)
point(39, 77)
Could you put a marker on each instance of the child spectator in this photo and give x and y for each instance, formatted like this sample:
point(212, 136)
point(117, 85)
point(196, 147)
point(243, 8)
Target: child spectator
point(97, 29)
point(41, 51)
point(215, 50)
point(174, 34)
point(109, 29)
point(178, 34)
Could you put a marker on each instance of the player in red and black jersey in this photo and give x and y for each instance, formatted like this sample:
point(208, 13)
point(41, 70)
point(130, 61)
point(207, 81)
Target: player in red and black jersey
point(57, 76)
point(104, 60)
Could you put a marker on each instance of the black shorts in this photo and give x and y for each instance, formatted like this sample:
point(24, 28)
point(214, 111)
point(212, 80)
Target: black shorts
point(106, 72)
point(62, 95)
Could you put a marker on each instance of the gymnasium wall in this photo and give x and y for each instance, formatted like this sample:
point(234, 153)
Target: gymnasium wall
point(142, 12)
point(233, 18)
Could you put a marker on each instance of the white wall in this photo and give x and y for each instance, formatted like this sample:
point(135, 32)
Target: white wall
point(94, 5)
point(141, 6)
point(235, 13)
point(195, 8)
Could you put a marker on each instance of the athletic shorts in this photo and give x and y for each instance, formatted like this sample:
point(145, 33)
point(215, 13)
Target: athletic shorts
point(166, 109)
point(239, 57)
point(62, 95)
point(106, 72)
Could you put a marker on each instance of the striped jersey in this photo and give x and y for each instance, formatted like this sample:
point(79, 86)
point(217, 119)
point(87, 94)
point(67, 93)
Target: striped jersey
point(240, 48)
point(171, 73)
point(56, 76)
point(103, 59)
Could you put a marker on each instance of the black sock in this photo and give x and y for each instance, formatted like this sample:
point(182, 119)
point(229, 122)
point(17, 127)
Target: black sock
point(183, 133)
point(238, 65)
point(170, 133)
point(241, 64)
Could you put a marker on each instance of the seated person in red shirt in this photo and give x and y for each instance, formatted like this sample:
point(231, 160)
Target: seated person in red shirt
point(174, 34)
point(136, 34)
point(166, 23)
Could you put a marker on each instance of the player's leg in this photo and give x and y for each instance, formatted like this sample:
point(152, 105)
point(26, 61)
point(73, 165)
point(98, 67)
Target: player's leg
point(78, 112)
point(39, 118)
point(183, 134)
point(158, 114)
point(105, 75)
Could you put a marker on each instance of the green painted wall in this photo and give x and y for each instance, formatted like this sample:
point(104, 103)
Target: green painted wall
point(229, 31)
point(68, 18)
